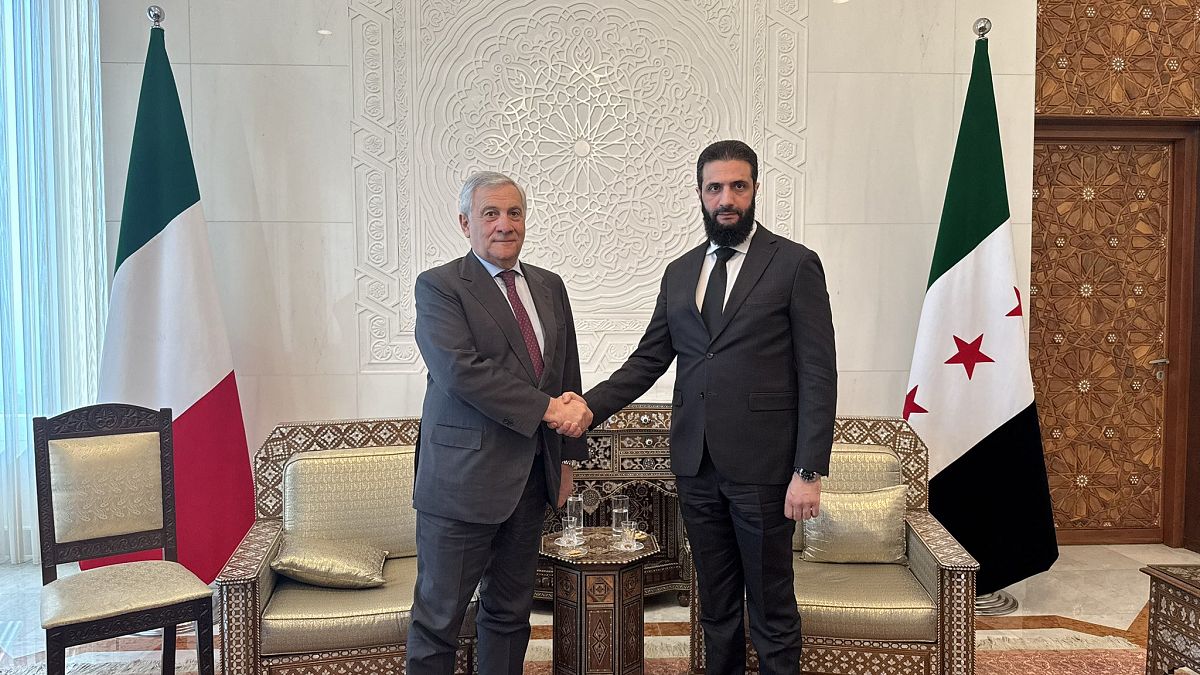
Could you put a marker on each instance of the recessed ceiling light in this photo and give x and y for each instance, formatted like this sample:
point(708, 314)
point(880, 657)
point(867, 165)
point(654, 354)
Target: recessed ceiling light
point(326, 31)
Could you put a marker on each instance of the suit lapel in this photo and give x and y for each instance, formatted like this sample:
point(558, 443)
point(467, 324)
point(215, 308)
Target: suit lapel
point(481, 285)
point(543, 301)
point(691, 264)
point(762, 249)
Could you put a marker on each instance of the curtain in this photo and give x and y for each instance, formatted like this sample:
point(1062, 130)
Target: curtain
point(53, 290)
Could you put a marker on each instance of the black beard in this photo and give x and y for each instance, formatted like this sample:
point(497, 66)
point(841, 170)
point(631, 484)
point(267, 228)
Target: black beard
point(728, 235)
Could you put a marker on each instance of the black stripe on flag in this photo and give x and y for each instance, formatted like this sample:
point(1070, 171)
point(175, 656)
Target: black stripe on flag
point(995, 499)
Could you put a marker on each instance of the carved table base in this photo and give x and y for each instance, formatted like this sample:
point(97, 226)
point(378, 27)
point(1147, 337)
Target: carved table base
point(1174, 636)
point(598, 611)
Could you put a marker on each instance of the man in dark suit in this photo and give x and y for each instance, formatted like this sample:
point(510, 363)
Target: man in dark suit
point(747, 315)
point(499, 341)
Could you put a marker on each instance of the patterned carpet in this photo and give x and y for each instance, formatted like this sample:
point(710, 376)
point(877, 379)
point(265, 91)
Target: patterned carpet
point(1012, 662)
point(1016, 662)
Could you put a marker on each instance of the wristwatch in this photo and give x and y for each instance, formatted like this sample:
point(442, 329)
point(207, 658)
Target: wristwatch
point(573, 463)
point(807, 476)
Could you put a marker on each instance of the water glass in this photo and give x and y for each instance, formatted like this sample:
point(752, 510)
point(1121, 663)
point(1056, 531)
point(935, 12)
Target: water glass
point(569, 524)
point(629, 530)
point(620, 513)
point(575, 510)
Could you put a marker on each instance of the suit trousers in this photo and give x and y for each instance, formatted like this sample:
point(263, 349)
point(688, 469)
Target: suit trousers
point(454, 556)
point(742, 547)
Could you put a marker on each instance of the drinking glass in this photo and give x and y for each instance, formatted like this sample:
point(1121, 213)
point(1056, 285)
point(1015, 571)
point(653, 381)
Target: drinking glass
point(569, 523)
point(620, 513)
point(575, 510)
point(629, 530)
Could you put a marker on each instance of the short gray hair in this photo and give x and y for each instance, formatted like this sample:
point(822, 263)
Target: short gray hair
point(484, 179)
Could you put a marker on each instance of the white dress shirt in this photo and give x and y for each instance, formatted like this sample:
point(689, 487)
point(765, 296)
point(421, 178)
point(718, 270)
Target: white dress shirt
point(522, 293)
point(732, 267)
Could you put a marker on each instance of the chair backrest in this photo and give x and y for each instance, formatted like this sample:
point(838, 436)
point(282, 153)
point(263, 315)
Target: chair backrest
point(356, 494)
point(293, 438)
point(856, 467)
point(105, 483)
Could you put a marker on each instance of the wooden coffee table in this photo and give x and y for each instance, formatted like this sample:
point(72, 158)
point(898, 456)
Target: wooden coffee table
point(1174, 639)
point(598, 619)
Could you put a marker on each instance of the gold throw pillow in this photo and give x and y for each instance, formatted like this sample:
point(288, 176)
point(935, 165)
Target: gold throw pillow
point(330, 563)
point(857, 527)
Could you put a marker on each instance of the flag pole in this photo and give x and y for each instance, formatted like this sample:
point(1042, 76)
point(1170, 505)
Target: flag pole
point(997, 603)
point(156, 16)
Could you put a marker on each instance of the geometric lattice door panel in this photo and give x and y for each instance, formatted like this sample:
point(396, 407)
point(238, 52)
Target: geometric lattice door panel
point(1101, 217)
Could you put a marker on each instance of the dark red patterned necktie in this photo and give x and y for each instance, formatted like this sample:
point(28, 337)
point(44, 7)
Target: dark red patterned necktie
point(509, 277)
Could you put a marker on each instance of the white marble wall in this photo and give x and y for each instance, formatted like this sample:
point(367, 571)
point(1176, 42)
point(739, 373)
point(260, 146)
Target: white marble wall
point(886, 82)
point(269, 104)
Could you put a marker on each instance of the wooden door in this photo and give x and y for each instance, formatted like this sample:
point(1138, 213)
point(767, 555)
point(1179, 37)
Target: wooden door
point(1110, 299)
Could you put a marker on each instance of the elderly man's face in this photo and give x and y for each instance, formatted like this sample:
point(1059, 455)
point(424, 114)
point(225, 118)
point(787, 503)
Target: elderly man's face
point(496, 225)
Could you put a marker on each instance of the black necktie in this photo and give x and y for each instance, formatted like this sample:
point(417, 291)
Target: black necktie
point(714, 293)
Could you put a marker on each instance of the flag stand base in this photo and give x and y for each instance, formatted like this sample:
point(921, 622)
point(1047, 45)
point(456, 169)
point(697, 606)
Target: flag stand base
point(995, 604)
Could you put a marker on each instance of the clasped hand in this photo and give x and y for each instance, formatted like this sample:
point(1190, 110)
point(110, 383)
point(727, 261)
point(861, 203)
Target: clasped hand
point(568, 414)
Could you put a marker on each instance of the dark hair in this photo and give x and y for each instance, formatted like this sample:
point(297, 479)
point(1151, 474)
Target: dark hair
point(723, 151)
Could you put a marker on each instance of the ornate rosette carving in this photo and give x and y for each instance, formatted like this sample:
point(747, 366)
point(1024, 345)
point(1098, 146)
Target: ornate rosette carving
point(1098, 316)
point(1117, 58)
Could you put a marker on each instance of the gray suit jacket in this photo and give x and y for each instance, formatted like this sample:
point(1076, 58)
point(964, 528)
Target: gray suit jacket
point(481, 425)
point(762, 389)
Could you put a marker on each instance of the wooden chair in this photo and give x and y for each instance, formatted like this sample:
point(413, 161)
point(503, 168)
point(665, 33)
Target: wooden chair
point(106, 486)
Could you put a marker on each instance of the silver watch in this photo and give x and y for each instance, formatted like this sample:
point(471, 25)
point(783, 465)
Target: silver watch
point(807, 476)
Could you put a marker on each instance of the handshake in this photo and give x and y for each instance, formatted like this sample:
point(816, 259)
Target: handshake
point(568, 414)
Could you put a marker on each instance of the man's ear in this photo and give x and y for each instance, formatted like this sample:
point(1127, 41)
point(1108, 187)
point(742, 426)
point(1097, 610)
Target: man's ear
point(465, 225)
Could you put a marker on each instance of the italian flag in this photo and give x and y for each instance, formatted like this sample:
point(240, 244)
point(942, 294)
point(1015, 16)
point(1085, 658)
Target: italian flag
point(165, 345)
point(970, 391)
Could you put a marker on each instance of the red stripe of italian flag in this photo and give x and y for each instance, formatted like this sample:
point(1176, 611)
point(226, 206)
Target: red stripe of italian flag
point(165, 344)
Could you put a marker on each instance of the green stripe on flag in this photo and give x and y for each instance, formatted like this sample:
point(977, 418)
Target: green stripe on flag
point(976, 196)
point(161, 182)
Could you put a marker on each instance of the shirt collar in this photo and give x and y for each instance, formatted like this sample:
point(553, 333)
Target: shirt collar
point(742, 248)
point(493, 270)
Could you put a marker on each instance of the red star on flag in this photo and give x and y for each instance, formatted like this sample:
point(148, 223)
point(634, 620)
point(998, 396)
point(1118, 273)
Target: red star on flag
point(970, 354)
point(910, 404)
point(1016, 311)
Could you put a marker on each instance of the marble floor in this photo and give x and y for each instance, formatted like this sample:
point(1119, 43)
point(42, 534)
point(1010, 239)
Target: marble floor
point(1093, 598)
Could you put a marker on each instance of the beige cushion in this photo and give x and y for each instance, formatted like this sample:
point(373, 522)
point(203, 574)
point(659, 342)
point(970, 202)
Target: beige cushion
point(362, 495)
point(866, 602)
point(329, 563)
point(857, 527)
point(856, 467)
point(300, 618)
point(118, 589)
point(105, 485)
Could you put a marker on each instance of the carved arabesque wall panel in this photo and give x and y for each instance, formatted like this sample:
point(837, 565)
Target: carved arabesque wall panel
point(1117, 58)
point(1099, 301)
point(598, 109)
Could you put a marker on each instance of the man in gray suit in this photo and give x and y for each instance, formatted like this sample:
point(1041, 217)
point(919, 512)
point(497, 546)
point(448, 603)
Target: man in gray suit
point(499, 341)
point(747, 315)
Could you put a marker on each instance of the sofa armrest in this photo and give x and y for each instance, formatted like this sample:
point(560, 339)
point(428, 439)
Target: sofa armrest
point(246, 583)
point(947, 572)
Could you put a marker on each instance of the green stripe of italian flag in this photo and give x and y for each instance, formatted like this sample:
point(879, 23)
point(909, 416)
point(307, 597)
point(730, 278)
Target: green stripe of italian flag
point(165, 343)
point(970, 392)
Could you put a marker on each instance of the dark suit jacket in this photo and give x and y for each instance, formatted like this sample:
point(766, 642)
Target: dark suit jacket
point(763, 388)
point(481, 425)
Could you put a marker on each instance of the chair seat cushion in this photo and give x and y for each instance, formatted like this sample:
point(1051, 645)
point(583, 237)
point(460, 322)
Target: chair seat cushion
point(300, 618)
point(863, 601)
point(114, 590)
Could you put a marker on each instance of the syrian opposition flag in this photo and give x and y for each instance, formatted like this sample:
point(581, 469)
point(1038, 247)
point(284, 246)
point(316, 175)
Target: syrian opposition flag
point(166, 345)
point(970, 392)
